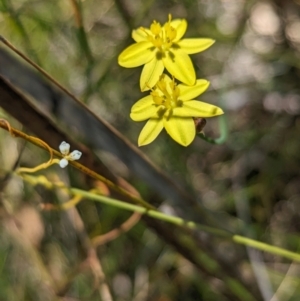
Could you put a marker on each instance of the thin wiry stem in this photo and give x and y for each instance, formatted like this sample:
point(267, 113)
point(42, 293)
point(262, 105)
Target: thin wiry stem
point(89, 172)
point(115, 233)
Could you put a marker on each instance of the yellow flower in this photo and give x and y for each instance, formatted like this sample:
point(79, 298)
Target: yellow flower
point(172, 107)
point(160, 47)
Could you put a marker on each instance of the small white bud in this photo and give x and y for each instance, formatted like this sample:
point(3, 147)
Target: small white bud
point(63, 163)
point(64, 148)
point(75, 155)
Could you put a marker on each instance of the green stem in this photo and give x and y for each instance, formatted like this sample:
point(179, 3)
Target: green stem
point(223, 126)
point(85, 49)
point(80, 30)
point(265, 247)
point(189, 224)
point(152, 213)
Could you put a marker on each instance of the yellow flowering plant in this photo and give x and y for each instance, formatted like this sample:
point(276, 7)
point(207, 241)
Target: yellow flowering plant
point(160, 47)
point(172, 107)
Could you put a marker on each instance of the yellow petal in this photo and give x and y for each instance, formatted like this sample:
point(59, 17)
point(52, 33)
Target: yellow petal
point(150, 131)
point(136, 55)
point(142, 104)
point(182, 130)
point(191, 46)
point(140, 34)
point(151, 73)
point(190, 92)
point(179, 64)
point(143, 109)
point(195, 108)
point(180, 25)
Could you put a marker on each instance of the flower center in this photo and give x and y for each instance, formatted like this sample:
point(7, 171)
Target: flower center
point(162, 36)
point(165, 96)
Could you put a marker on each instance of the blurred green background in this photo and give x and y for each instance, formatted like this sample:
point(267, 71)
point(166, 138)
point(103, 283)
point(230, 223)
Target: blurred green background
point(253, 177)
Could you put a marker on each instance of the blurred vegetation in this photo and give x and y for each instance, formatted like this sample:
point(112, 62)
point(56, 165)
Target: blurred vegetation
point(250, 184)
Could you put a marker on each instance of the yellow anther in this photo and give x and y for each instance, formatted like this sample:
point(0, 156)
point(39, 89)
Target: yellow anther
point(171, 33)
point(161, 37)
point(158, 100)
point(155, 28)
point(176, 92)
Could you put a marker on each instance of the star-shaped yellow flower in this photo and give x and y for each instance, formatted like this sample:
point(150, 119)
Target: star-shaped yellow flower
point(160, 47)
point(172, 107)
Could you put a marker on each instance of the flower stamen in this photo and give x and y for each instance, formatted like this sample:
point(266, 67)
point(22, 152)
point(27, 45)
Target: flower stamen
point(165, 95)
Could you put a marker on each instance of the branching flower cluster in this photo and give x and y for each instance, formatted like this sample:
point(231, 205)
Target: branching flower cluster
point(64, 148)
point(170, 105)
